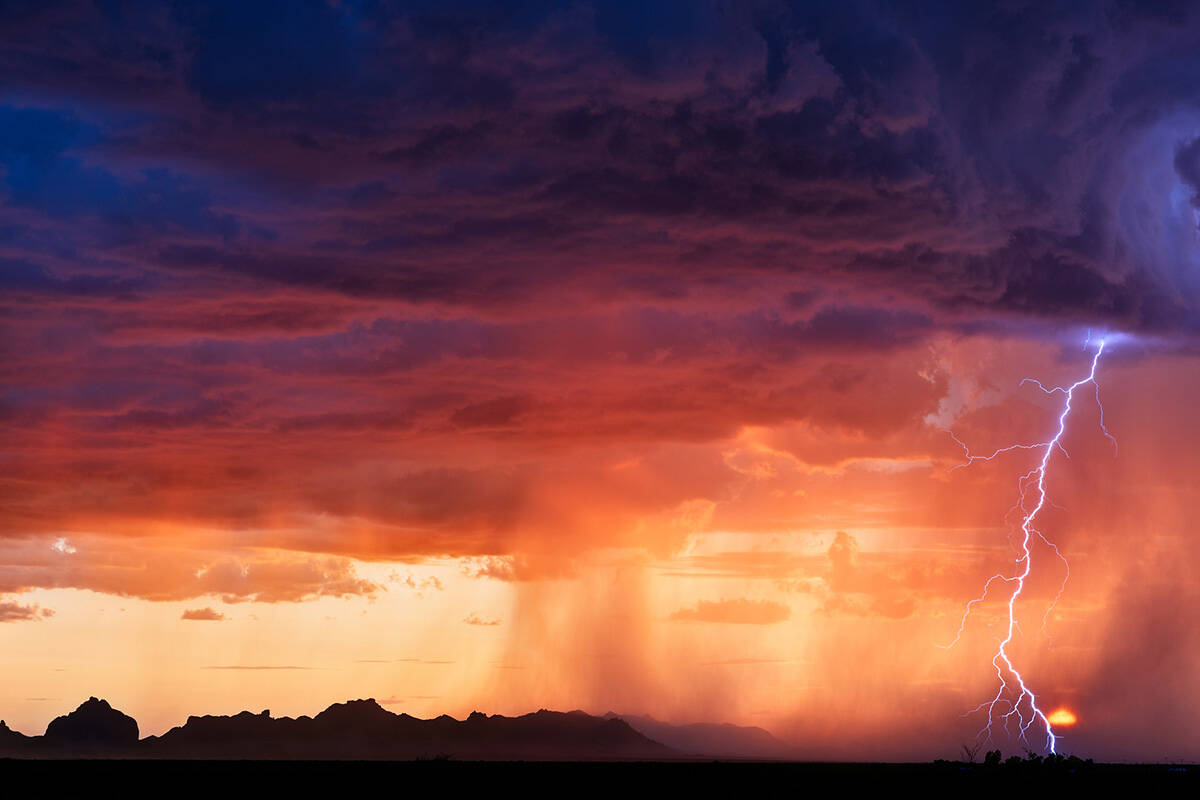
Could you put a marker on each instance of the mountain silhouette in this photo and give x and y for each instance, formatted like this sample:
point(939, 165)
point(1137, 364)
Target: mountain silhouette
point(709, 739)
point(356, 729)
point(13, 742)
point(362, 729)
point(95, 725)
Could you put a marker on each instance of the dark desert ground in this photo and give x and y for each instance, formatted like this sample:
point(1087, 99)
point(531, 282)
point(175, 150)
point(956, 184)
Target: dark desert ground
point(544, 754)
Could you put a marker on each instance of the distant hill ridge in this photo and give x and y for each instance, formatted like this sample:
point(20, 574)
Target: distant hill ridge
point(722, 740)
point(364, 730)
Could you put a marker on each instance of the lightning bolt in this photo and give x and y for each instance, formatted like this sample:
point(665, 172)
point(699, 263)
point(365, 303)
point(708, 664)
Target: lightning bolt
point(1014, 702)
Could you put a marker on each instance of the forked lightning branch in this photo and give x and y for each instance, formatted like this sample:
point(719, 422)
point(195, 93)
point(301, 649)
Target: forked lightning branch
point(1015, 704)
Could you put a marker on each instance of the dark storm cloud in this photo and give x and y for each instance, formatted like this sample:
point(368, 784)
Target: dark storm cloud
point(46, 173)
point(967, 157)
point(549, 221)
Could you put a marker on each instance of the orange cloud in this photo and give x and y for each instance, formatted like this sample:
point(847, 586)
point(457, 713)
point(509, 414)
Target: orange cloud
point(12, 611)
point(203, 614)
point(520, 567)
point(739, 611)
point(162, 569)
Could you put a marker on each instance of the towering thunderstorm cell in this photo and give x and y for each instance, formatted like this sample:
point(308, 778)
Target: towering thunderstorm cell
point(1014, 698)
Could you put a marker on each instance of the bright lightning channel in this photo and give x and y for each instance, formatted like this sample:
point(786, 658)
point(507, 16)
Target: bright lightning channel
point(1002, 708)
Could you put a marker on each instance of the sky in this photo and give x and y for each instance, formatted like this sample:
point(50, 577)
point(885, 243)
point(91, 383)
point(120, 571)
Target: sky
point(600, 355)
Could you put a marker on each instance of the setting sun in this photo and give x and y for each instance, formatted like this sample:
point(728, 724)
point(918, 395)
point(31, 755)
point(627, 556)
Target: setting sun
point(1062, 717)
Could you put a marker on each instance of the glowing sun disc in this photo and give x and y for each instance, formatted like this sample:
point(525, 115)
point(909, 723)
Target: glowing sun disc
point(1061, 717)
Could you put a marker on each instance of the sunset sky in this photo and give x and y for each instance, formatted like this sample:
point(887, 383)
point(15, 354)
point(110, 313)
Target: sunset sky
point(600, 355)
